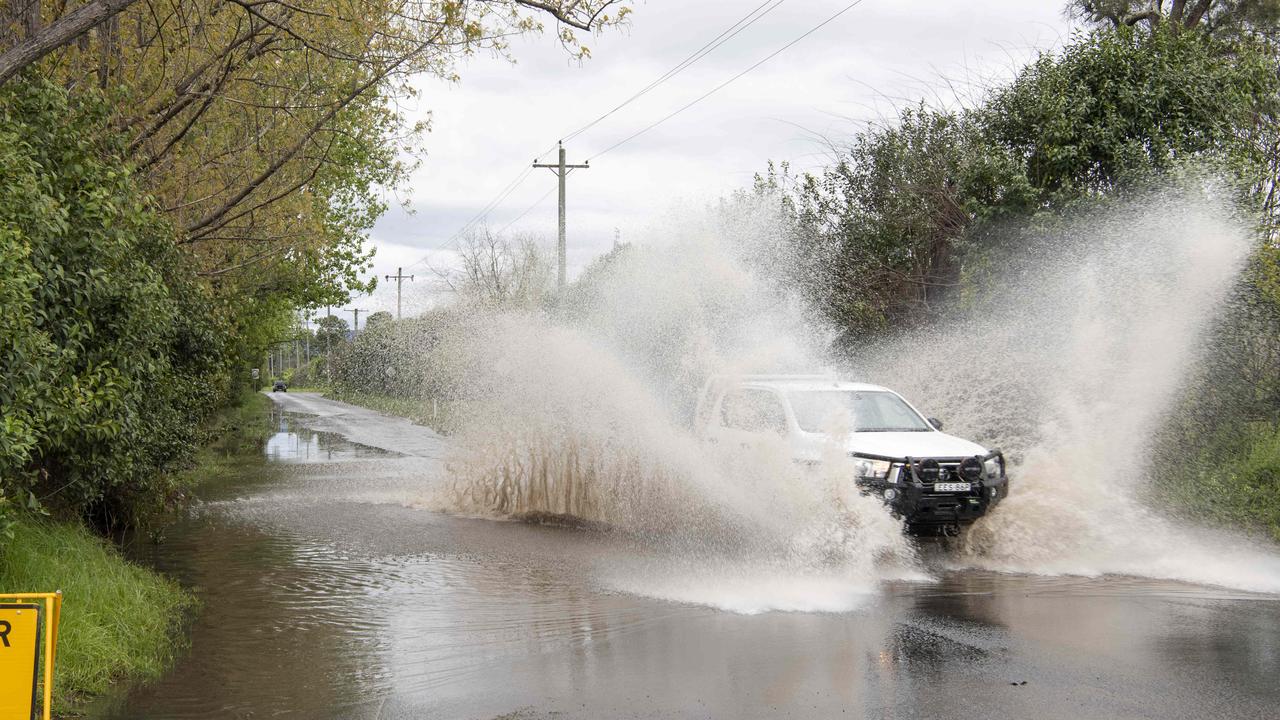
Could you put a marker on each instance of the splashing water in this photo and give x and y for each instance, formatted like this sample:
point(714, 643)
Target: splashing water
point(1068, 364)
point(1070, 368)
point(580, 412)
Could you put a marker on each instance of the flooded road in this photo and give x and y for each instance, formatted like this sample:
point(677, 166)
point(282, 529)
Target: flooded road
point(330, 591)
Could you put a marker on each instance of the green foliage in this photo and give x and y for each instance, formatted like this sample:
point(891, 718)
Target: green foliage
point(1233, 477)
point(309, 374)
point(377, 319)
point(118, 621)
point(1221, 18)
point(331, 334)
point(111, 353)
point(918, 211)
point(240, 433)
point(398, 358)
point(889, 223)
point(1118, 109)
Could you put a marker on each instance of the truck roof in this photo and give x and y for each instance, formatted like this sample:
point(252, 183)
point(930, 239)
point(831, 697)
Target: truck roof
point(796, 382)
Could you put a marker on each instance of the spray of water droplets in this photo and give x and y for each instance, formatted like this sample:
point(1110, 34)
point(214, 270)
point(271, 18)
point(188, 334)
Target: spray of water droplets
point(1069, 361)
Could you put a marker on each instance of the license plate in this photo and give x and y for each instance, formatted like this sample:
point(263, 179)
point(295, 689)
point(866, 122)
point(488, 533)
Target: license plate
point(951, 487)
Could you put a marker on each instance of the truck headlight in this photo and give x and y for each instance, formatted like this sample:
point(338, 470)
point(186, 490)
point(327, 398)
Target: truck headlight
point(992, 467)
point(871, 469)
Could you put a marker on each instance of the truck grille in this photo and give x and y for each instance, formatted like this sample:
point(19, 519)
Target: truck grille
point(947, 472)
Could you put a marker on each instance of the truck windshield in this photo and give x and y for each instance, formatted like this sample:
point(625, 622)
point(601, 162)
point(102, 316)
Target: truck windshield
point(870, 411)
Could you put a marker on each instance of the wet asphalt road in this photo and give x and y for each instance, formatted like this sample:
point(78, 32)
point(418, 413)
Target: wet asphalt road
point(332, 590)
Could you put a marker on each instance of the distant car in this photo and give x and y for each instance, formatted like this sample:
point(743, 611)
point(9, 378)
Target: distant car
point(935, 482)
point(279, 387)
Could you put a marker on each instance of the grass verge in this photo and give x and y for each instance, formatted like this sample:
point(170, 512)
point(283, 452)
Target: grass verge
point(236, 432)
point(1235, 480)
point(120, 622)
point(438, 416)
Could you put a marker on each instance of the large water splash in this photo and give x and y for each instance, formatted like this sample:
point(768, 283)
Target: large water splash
point(1071, 364)
point(582, 412)
point(1069, 360)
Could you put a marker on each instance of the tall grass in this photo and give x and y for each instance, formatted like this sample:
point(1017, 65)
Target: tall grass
point(119, 621)
point(1236, 478)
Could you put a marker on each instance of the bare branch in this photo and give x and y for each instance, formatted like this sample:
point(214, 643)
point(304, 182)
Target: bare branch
point(56, 34)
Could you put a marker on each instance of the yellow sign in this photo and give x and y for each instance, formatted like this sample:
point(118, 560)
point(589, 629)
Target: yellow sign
point(28, 628)
point(19, 657)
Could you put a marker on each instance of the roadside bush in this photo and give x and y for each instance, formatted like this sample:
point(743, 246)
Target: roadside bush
point(309, 374)
point(1232, 478)
point(111, 353)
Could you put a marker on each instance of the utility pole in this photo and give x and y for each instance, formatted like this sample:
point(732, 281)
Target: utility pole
point(355, 312)
point(328, 349)
point(399, 277)
point(562, 171)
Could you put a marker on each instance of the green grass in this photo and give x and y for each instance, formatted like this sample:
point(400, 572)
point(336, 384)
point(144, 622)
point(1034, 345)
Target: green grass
point(240, 428)
point(120, 622)
point(1236, 479)
point(415, 410)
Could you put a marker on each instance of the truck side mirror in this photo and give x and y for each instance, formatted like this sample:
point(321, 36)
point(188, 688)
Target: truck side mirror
point(936, 423)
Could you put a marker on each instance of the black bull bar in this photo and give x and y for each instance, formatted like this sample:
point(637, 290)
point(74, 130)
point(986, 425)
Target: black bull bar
point(916, 500)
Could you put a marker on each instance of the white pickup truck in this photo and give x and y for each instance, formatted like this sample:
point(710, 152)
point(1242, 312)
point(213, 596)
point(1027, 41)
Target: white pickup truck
point(936, 482)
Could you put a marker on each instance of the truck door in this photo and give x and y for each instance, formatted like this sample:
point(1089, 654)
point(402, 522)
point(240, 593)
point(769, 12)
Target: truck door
point(749, 417)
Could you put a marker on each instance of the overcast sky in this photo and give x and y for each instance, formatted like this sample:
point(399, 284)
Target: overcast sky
point(487, 128)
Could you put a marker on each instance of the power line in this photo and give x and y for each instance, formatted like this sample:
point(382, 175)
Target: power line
point(746, 21)
point(743, 23)
point(697, 55)
point(489, 207)
point(729, 33)
point(506, 190)
point(722, 85)
point(399, 277)
point(527, 210)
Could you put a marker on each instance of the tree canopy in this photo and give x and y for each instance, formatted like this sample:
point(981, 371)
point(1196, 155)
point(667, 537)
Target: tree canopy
point(909, 210)
point(183, 177)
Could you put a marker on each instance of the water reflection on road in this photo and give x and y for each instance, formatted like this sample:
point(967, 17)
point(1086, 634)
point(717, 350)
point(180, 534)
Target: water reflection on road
point(328, 593)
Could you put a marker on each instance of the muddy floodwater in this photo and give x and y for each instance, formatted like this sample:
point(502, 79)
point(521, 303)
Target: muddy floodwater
point(331, 590)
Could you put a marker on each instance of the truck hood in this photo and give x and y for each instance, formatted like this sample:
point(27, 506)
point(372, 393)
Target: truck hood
point(913, 444)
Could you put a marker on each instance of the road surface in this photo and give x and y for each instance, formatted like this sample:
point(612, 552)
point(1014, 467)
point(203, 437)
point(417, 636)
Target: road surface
point(332, 589)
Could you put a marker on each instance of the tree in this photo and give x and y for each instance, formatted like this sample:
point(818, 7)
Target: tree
point(1118, 107)
point(37, 39)
point(501, 271)
point(878, 239)
point(377, 320)
point(41, 39)
point(268, 131)
point(180, 179)
point(1234, 18)
point(913, 213)
point(331, 332)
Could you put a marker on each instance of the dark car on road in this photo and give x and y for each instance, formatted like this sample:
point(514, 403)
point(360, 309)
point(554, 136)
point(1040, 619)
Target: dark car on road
point(279, 387)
